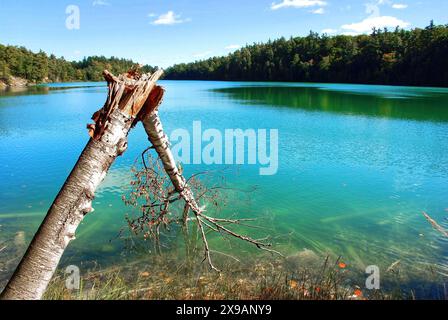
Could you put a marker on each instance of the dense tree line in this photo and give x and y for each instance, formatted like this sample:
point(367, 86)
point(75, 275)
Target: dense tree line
point(416, 57)
point(39, 67)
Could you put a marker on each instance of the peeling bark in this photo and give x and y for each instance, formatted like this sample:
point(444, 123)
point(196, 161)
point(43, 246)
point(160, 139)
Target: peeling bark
point(127, 95)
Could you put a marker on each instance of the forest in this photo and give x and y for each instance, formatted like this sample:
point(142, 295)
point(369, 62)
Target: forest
point(398, 57)
point(40, 67)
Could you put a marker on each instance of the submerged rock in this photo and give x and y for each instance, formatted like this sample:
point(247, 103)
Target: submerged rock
point(19, 239)
point(303, 259)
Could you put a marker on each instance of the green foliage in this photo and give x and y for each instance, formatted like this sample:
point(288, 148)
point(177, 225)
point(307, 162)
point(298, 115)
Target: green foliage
point(399, 57)
point(39, 67)
point(416, 57)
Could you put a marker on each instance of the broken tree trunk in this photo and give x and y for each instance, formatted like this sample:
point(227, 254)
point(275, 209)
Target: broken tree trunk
point(160, 142)
point(156, 135)
point(127, 97)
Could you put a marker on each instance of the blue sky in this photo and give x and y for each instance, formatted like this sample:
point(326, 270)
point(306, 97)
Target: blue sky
point(164, 32)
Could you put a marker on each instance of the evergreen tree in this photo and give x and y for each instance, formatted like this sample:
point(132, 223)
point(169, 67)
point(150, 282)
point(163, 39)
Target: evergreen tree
point(415, 57)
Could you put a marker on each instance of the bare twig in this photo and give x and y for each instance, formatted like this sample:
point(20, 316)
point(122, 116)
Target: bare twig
point(226, 255)
point(159, 199)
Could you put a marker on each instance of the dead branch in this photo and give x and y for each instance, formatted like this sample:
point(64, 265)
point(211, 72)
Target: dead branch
point(160, 207)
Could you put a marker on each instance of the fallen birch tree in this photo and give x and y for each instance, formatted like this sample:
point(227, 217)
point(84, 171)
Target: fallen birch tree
point(131, 98)
point(128, 94)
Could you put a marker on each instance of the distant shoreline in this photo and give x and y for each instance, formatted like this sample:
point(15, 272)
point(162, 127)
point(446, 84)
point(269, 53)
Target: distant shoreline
point(400, 57)
point(23, 84)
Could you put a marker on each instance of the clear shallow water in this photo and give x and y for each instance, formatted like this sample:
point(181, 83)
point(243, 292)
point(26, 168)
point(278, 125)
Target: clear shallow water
point(357, 166)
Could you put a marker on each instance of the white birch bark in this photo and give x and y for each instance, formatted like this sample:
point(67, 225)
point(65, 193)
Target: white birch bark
point(159, 140)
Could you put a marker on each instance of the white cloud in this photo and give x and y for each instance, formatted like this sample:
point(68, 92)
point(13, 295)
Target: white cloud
point(298, 4)
point(329, 31)
point(233, 47)
point(318, 11)
point(399, 6)
point(369, 23)
point(100, 3)
point(169, 18)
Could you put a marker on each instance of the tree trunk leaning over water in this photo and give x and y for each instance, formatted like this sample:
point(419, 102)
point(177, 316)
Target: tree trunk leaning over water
point(160, 142)
point(127, 97)
point(156, 135)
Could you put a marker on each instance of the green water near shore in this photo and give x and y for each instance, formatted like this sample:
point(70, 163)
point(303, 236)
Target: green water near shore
point(357, 166)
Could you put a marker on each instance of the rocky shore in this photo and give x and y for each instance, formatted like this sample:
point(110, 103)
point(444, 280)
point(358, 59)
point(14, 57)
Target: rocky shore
point(13, 82)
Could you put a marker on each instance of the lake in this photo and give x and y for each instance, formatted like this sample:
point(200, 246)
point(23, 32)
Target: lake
point(357, 166)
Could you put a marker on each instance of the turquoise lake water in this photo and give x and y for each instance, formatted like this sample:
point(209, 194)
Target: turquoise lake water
point(357, 166)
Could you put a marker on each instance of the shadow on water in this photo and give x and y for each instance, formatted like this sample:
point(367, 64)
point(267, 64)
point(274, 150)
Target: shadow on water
point(385, 102)
point(24, 91)
point(44, 89)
